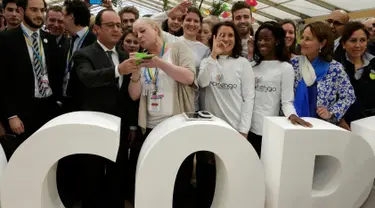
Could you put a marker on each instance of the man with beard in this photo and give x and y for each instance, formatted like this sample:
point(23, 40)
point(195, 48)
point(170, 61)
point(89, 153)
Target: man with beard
point(30, 74)
point(337, 21)
point(241, 15)
point(12, 17)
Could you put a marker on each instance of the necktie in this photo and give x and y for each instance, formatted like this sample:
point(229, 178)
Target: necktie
point(68, 65)
point(37, 62)
point(109, 53)
point(74, 38)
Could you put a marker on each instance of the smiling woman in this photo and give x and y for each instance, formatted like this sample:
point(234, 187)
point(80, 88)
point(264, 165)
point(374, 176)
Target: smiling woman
point(165, 87)
point(322, 87)
point(360, 66)
point(227, 80)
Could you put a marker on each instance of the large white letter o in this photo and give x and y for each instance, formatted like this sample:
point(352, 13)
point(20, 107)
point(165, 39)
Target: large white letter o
point(240, 176)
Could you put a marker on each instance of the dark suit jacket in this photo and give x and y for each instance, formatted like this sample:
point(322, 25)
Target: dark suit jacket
point(72, 85)
point(338, 53)
point(98, 87)
point(16, 71)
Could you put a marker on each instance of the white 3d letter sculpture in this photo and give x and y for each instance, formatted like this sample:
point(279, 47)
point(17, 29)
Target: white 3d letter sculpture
point(344, 165)
point(29, 179)
point(321, 167)
point(240, 176)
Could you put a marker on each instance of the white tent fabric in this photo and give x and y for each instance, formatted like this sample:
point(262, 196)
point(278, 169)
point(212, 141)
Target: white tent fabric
point(266, 10)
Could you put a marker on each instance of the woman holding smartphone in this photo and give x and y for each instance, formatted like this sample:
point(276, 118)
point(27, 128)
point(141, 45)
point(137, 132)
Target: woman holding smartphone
point(165, 86)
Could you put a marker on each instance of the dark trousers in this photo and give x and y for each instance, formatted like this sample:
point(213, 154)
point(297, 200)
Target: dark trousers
point(256, 141)
point(182, 189)
point(104, 182)
point(69, 168)
point(206, 179)
point(94, 181)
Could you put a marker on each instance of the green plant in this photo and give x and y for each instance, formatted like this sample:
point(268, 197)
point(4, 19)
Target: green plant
point(165, 5)
point(218, 7)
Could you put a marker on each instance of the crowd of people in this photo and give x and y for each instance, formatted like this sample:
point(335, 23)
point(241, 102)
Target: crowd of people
point(60, 59)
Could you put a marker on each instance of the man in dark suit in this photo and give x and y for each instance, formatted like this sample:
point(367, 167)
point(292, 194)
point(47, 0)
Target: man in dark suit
point(76, 20)
point(30, 72)
point(103, 75)
point(55, 27)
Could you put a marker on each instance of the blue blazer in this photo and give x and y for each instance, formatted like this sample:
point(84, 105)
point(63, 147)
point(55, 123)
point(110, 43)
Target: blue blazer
point(334, 91)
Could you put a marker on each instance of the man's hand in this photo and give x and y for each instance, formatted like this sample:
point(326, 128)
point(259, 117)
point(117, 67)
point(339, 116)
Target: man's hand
point(128, 66)
point(16, 125)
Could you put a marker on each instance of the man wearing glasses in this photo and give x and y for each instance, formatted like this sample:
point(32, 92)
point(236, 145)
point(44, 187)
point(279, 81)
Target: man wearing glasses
point(104, 72)
point(337, 21)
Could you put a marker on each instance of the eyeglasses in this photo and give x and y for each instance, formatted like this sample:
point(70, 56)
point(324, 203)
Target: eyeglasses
point(334, 22)
point(112, 25)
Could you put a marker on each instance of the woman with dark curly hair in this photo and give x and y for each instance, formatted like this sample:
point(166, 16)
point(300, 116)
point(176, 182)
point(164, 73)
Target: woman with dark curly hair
point(273, 81)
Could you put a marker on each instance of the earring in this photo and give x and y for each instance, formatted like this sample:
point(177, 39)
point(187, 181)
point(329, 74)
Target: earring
point(320, 49)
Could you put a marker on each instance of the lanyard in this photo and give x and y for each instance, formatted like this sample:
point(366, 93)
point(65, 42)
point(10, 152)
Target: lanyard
point(154, 78)
point(70, 52)
point(40, 55)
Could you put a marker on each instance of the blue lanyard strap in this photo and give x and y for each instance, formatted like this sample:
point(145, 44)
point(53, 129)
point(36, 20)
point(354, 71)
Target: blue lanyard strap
point(70, 52)
point(149, 78)
point(40, 55)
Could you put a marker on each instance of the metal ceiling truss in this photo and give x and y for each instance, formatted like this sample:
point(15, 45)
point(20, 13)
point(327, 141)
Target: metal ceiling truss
point(324, 4)
point(267, 15)
point(284, 8)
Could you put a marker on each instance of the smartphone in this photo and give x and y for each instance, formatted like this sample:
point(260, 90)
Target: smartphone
point(191, 116)
point(195, 116)
point(99, 2)
point(143, 56)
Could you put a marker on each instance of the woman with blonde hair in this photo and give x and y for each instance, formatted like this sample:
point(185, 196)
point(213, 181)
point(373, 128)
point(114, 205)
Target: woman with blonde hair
point(165, 86)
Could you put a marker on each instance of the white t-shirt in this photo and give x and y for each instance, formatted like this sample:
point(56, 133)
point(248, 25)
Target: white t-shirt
point(229, 90)
point(159, 105)
point(273, 88)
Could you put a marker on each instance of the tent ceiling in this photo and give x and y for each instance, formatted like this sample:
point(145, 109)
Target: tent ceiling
point(266, 10)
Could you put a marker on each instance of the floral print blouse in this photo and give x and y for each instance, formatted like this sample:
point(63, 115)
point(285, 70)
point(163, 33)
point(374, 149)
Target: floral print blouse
point(334, 91)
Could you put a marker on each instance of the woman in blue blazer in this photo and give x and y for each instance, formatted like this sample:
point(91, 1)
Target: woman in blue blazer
point(322, 88)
